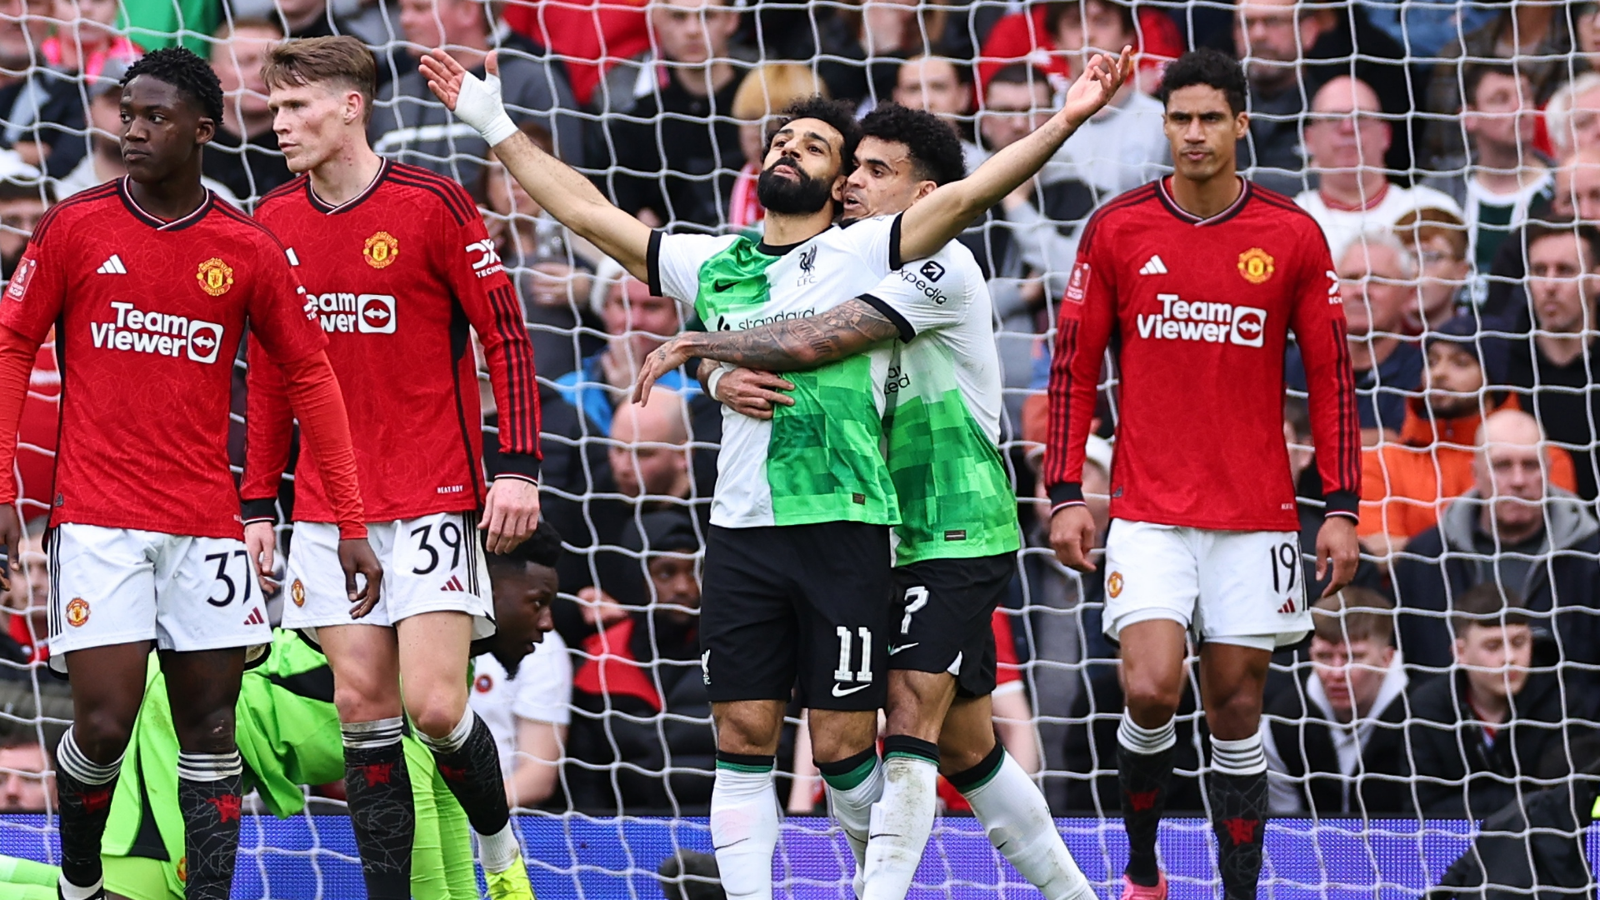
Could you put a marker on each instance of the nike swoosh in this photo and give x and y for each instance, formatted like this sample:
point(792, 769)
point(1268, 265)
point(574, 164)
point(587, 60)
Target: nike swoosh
point(848, 691)
point(894, 650)
point(720, 286)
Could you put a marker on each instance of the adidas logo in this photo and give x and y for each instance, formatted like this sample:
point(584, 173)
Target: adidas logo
point(112, 266)
point(255, 617)
point(454, 584)
point(1154, 267)
point(1290, 607)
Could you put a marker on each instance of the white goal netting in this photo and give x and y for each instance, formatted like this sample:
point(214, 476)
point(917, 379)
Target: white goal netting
point(1451, 152)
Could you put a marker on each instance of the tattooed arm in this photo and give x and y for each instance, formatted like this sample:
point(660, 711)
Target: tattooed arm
point(791, 345)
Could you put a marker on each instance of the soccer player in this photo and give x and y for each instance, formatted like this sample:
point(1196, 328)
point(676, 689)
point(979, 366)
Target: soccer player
point(1201, 276)
point(288, 736)
point(398, 266)
point(149, 282)
point(797, 580)
point(958, 538)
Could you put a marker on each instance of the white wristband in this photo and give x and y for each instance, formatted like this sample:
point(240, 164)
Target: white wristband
point(500, 128)
point(712, 379)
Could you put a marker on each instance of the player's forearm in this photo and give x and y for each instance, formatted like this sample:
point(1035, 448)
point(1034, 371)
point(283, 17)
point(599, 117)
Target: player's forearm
point(575, 202)
point(1071, 392)
point(269, 432)
point(798, 344)
point(313, 392)
point(509, 355)
point(1335, 429)
point(17, 353)
point(936, 219)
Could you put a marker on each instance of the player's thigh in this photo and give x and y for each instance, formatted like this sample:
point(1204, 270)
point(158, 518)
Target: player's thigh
point(315, 579)
point(435, 563)
point(138, 878)
point(749, 629)
point(843, 570)
point(1252, 590)
point(206, 596)
point(434, 655)
point(945, 618)
point(102, 588)
point(1151, 573)
point(365, 660)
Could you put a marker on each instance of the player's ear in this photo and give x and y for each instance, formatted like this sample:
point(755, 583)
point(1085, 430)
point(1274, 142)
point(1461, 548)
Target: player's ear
point(353, 106)
point(205, 128)
point(1241, 125)
point(924, 188)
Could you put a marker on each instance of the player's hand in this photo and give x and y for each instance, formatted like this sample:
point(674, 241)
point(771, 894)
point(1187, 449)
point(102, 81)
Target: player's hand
point(1072, 537)
point(665, 358)
point(1338, 550)
point(1100, 81)
point(753, 393)
point(356, 558)
point(600, 609)
point(261, 541)
point(475, 101)
point(510, 514)
point(10, 542)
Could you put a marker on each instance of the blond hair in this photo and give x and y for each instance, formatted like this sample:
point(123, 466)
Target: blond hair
point(340, 60)
point(772, 87)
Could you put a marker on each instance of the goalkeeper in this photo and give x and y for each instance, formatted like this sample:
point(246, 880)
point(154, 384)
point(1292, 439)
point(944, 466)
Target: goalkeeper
point(288, 736)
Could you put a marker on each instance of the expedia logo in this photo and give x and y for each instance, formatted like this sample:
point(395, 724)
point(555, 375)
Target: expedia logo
point(932, 270)
point(139, 331)
point(360, 313)
point(1211, 323)
point(924, 287)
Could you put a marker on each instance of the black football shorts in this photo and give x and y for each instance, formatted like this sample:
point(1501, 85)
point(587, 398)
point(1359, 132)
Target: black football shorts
point(944, 610)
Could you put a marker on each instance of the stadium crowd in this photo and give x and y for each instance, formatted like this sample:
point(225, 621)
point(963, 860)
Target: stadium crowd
point(1450, 152)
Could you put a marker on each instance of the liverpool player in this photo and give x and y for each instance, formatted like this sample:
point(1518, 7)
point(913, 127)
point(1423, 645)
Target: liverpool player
point(399, 267)
point(797, 574)
point(149, 281)
point(1201, 276)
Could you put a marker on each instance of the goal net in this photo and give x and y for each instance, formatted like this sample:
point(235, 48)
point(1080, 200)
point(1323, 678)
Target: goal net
point(1450, 152)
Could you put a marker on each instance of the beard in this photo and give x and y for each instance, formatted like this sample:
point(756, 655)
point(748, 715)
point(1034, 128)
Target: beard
point(791, 198)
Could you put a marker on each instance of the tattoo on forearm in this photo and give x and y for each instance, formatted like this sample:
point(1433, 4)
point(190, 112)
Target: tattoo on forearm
point(845, 330)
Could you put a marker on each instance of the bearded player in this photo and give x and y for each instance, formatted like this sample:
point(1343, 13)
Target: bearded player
point(400, 271)
point(1200, 277)
point(149, 281)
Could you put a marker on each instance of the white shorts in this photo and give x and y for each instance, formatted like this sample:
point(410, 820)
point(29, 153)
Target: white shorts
point(430, 564)
point(1228, 587)
point(117, 586)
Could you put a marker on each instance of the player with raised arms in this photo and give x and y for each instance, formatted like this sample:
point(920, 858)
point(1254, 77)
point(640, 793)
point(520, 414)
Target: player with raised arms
point(400, 270)
point(958, 538)
point(149, 281)
point(797, 572)
point(1200, 277)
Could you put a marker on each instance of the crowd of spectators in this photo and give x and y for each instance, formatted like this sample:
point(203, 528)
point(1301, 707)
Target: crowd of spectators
point(1450, 152)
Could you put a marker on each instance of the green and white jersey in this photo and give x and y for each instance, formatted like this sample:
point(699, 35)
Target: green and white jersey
point(944, 400)
point(820, 460)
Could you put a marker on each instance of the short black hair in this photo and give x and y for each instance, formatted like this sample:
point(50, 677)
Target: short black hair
point(1019, 73)
point(1588, 234)
point(542, 549)
point(27, 189)
point(1489, 604)
point(1208, 67)
point(1472, 76)
point(1054, 12)
point(837, 113)
point(185, 71)
point(934, 147)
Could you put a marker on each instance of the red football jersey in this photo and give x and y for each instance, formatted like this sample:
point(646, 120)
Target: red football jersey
point(396, 276)
point(1197, 313)
point(148, 317)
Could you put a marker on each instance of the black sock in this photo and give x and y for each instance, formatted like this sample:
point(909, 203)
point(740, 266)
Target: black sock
point(84, 790)
point(382, 810)
point(470, 764)
point(1143, 778)
point(209, 786)
point(1239, 816)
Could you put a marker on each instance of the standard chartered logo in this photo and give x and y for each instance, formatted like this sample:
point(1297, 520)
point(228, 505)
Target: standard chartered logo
point(142, 331)
point(359, 313)
point(726, 324)
point(1198, 320)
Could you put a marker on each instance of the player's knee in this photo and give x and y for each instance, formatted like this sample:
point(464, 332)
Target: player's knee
point(1152, 698)
point(365, 703)
point(1236, 714)
point(436, 714)
point(747, 730)
point(102, 734)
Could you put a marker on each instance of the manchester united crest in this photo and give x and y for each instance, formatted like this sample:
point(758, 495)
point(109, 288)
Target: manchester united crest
point(77, 612)
point(297, 593)
point(215, 277)
point(381, 249)
point(1255, 265)
point(1114, 584)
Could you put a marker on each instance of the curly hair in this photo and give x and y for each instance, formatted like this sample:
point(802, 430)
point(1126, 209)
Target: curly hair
point(542, 549)
point(934, 146)
point(836, 113)
point(185, 71)
point(1208, 67)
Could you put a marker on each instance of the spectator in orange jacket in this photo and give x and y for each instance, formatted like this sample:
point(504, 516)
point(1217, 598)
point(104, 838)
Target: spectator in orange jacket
point(1406, 485)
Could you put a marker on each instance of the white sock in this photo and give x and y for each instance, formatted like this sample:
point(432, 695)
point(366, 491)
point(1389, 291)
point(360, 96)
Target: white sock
point(1139, 739)
point(1018, 822)
point(744, 828)
point(902, 820)
point(498, 851)
point(1245, 756)
point(852, 809)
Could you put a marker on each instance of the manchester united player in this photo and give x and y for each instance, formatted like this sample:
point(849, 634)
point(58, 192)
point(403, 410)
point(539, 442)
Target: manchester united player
point(149, 281)
point(1201, 275)
point(399, 267)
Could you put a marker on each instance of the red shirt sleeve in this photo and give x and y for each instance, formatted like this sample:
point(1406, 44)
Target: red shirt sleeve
point(479, 281)
point(1319, 328)
point(319, 405)
point(17, 352)
point(269, 432)
point(38, 288)
point(1088, 314)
